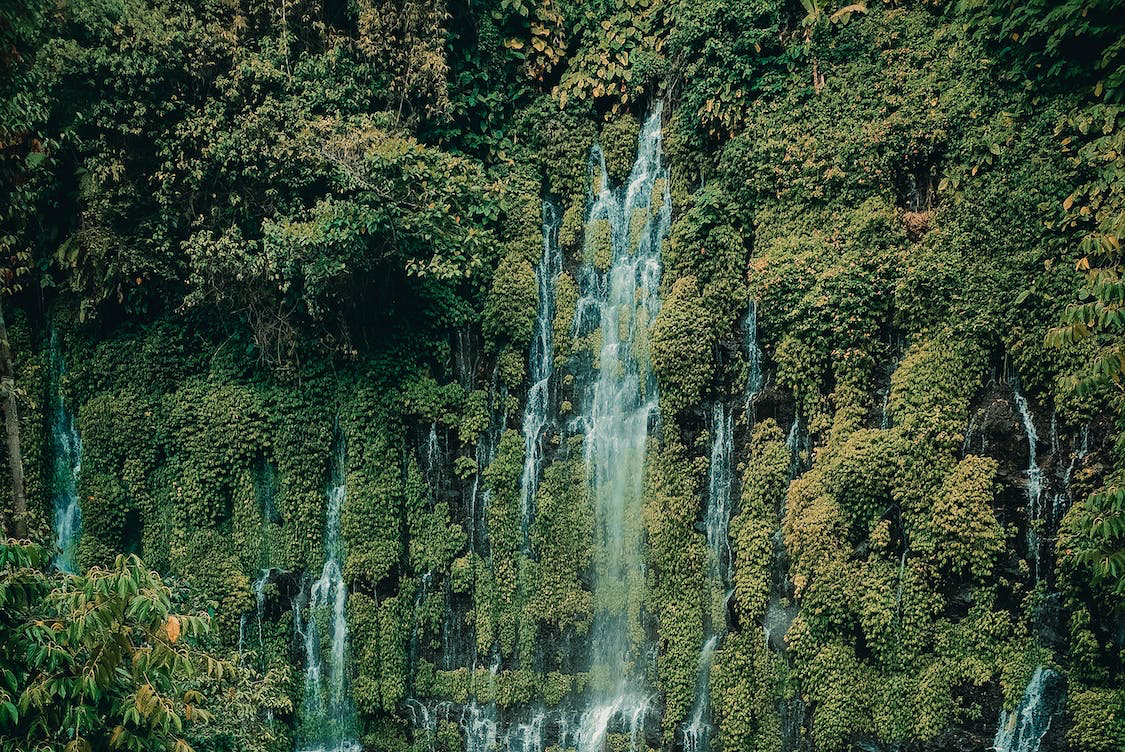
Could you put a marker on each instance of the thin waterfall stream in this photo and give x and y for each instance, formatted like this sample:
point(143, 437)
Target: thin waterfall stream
point(1034, 477)
point(720, 480)
point(541, 366)
point(1023, 729)
point(328, 718)
point(67, 464)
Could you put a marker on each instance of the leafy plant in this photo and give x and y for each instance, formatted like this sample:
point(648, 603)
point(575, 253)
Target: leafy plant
point(95, 661)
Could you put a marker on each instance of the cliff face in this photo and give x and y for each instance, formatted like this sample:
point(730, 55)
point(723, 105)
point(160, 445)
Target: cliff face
point(745, 438)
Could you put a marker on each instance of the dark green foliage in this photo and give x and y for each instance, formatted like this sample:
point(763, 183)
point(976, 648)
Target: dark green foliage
point(98, 660)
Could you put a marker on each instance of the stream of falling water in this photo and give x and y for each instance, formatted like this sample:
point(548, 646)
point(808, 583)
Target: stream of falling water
point(67, 463)
point(618, 401)
point(1023, 729)
point(259, 587)
point(328, 720)
point(1034, 477)
point(754, 378)
point(541, 365)
point(698, 730)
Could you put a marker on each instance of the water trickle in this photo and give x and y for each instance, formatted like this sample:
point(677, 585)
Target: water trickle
point(1034, 477)
point(67, 450)
point(527, 736)
point(541, 364)
point(619, 298)
point(798, 442)
point(479, 725)
point(1023, 729)
point(259, 587)
point(754, 378)
point(1065, 497)
point(720, 481)
point(697, 730)
point(432, 459)
point(328, 720)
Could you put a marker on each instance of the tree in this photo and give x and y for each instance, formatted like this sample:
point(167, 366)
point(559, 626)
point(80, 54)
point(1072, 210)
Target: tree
point(19, 154)
point(95, 661)
point(18, 523)
point(1077, 46)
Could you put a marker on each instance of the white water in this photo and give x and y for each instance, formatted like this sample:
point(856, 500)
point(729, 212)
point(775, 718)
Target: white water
point(697, 731)
point(1034, 477)
point(1064, 498)
point(67, 464)
point(541, 365)
point(259, 586)
point(720, 477)
point(327, 715)
point(617, 403)
point(1023, 729)
point(754, 379)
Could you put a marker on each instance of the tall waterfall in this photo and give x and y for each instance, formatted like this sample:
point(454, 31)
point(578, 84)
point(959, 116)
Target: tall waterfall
point(754, 378)
point(720, 482)
point(67, 463)
point(1023, 729)
point(720, 477)
point(619, 298)
point(328, 719)
point(259, 588)
point(540, 364)
point(1034, 477)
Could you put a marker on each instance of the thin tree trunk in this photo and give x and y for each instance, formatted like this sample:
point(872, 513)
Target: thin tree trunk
point(18, 522)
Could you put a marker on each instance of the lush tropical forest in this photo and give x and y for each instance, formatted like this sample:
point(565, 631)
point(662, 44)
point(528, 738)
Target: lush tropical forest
point(562, 375)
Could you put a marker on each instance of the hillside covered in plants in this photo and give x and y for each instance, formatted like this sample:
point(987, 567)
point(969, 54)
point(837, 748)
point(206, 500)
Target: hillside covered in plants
point(562, 375)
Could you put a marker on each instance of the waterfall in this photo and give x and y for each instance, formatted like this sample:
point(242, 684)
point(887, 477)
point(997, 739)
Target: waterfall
point(719, 483)
point(260, 606)
point(697, 731)
point(1034, 477)
point(754, 379)
point(540, 364)
point(617, 401)
point(432, 460)
point(1023, 729)
point(327, 714)
point(1064, 497)
point(67, 463)
point(480, 727)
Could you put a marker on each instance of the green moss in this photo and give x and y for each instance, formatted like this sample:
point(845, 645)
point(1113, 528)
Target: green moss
point(1097, 720)
point(619, 144)
point(965, 533)
point(676, 578)
point(598, 245)
point(509, 310)
point(681, 347)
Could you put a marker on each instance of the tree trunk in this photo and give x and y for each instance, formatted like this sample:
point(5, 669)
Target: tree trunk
point(18, 521)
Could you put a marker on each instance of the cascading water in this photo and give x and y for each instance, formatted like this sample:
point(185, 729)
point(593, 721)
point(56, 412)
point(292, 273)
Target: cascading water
point(541, 365)
point(697, 731)
point(1034, 477)
point(328, 720)
point(618, 400)
point(1064, 497)
point(67, 450)
point(720, 481)
point(1023, 729)
point(754, 378)
point(260, 606)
